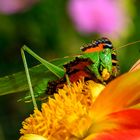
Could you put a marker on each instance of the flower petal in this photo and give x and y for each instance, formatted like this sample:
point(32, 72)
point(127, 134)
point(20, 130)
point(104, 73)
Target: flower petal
point(135, 66)
point(116, 135)
point(32, 137)
point(123, 92)
point(126, 119)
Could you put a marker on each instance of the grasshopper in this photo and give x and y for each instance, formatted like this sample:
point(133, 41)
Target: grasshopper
point(97, 62)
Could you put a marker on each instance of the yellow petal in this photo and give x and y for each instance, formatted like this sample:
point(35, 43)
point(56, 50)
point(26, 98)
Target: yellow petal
point(32, 137)
point(94, 89)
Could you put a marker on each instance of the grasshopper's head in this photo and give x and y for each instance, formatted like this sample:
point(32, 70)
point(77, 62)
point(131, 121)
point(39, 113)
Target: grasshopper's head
point(109, 64)
point(106, 55)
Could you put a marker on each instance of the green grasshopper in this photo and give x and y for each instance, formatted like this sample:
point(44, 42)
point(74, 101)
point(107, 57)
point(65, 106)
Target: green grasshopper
point(97, 57)
point(98, 62)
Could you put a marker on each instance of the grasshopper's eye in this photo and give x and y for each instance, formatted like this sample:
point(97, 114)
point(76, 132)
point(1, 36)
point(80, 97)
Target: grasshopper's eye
point(104, 51)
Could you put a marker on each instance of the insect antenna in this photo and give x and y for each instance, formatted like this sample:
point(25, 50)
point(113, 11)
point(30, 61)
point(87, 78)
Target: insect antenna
point(128, 44)
point(28, 78)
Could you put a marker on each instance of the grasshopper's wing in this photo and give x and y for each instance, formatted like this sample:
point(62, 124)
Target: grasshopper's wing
point(18, 83)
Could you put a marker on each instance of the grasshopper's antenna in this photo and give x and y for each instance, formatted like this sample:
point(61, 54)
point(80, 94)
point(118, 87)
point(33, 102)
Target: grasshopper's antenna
point(131, 43)
point(28, 78)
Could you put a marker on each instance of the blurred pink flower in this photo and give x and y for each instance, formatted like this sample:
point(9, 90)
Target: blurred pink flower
point(14, 6)
point(100, 16)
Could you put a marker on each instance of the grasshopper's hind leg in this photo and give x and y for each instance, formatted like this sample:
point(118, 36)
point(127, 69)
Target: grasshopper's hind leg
point(59, 72)
point(28, 78)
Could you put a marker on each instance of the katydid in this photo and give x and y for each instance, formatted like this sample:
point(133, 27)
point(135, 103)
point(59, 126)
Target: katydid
point(98, 62)
point(40, 75)
point(100, 54)
point(97, 57)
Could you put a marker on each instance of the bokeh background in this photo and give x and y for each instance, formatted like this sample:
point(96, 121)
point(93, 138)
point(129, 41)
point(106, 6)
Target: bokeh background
point(56, 29)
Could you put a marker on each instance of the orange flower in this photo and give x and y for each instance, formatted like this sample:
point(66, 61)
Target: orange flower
point(87, 111)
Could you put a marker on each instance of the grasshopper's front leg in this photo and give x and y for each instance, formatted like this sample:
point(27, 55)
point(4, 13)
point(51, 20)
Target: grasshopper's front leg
point(95, 69)
point(96, 63)
point(105, 74)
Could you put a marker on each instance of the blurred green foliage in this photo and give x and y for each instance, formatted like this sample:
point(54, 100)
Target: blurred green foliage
point(47, 29)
